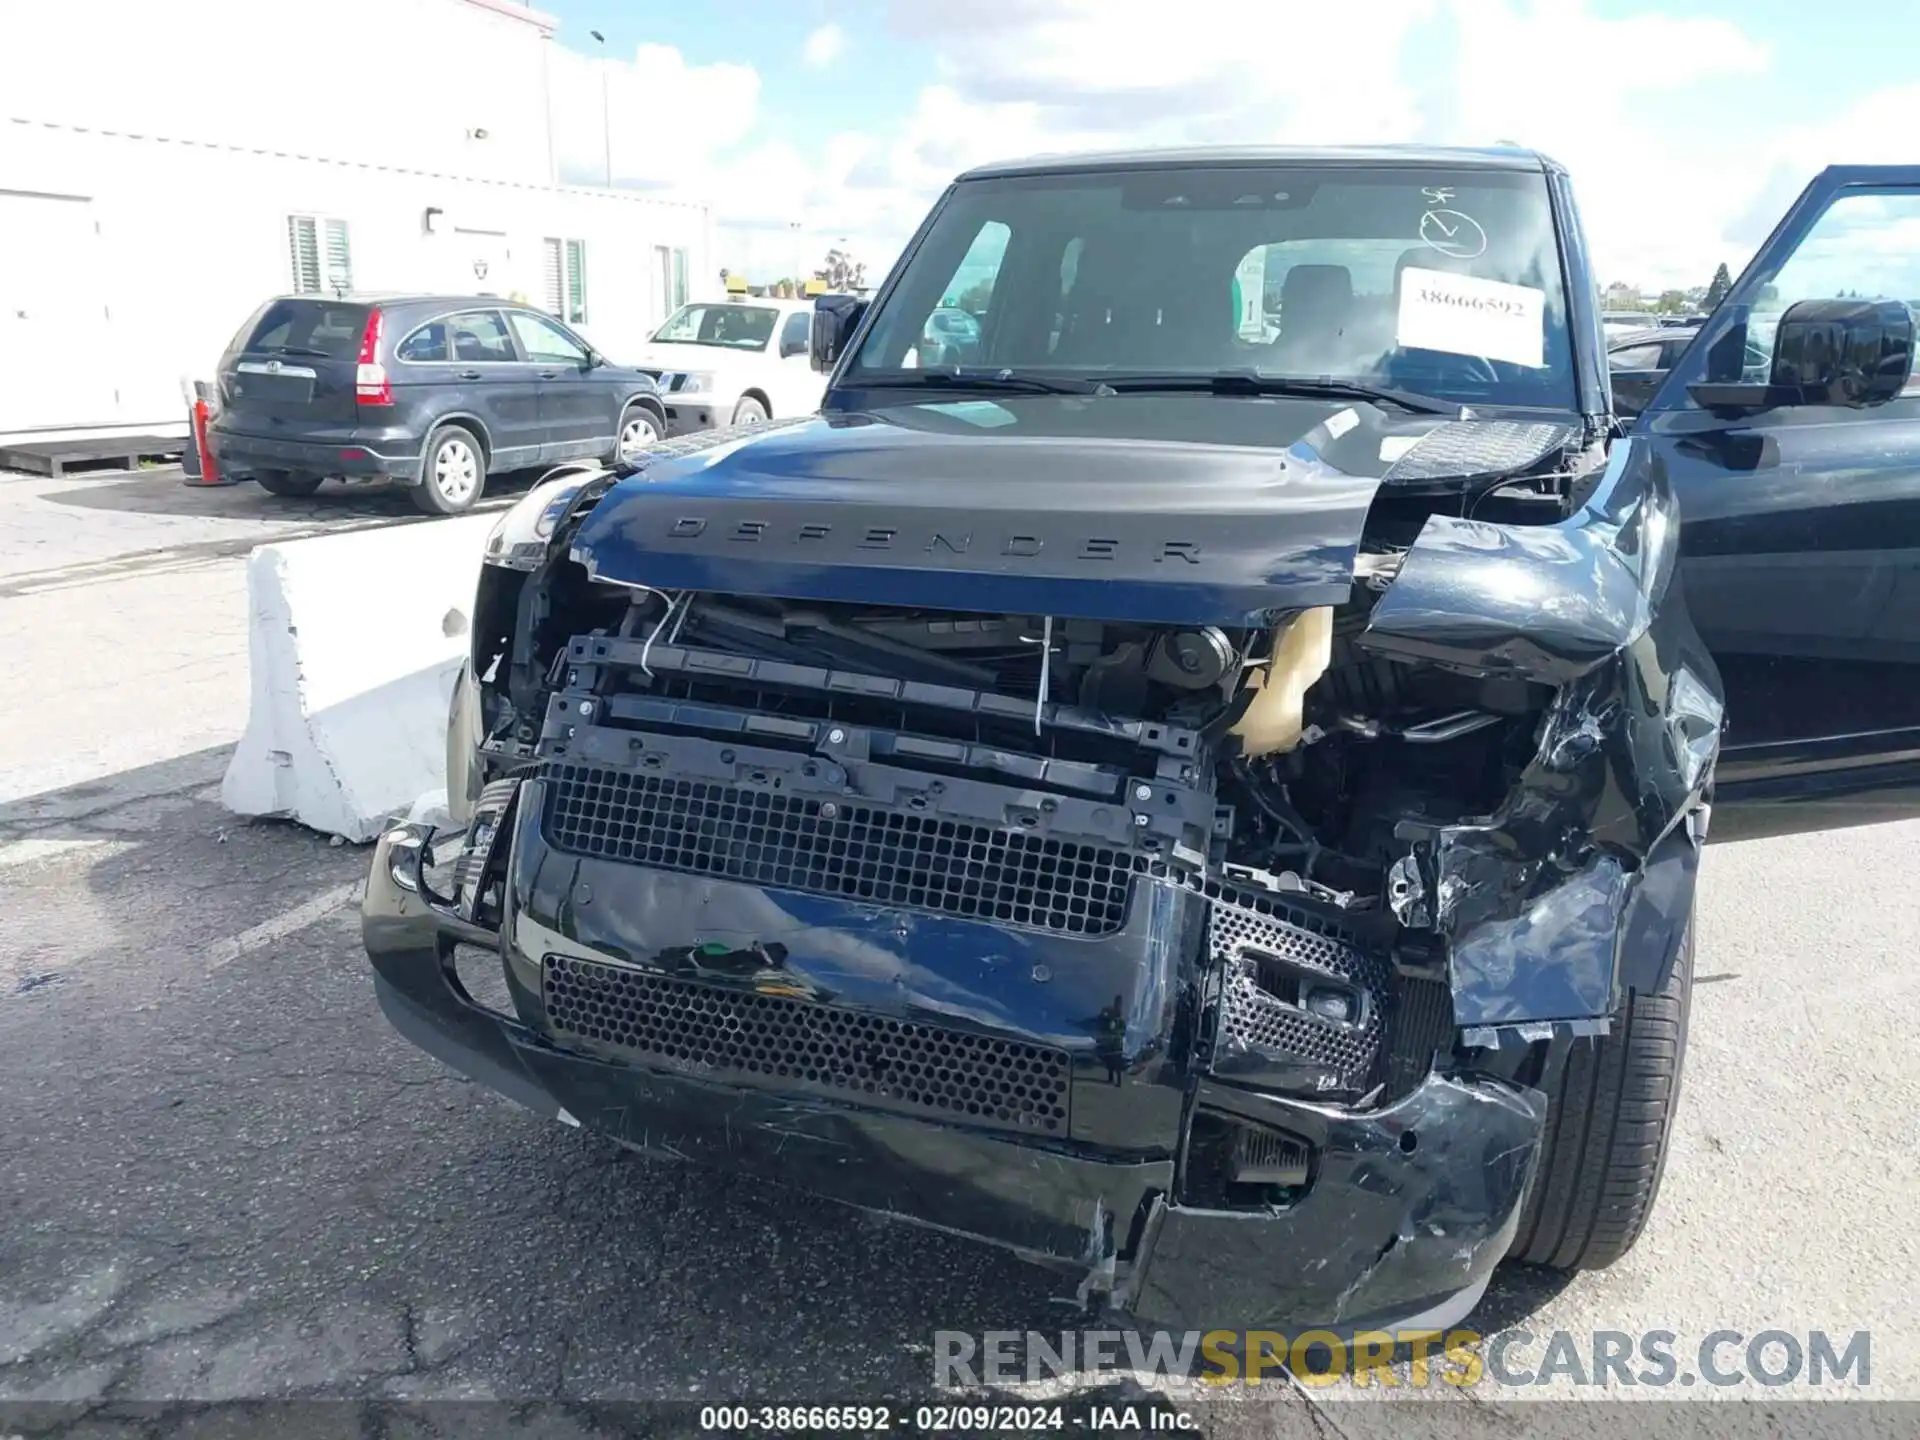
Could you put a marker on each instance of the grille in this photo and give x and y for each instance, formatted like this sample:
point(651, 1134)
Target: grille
point(802, 1045)
point(914, 862)
point(1254, 1018)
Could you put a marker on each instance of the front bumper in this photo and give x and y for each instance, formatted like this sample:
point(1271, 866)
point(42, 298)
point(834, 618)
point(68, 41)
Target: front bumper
point(701, 412)
point(1408, 1209)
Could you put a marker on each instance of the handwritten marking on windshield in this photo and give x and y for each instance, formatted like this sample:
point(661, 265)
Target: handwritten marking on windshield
point(1453, 232)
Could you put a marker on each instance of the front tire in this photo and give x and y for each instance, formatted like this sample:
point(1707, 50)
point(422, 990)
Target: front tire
point(294, 484)
point(638, 429)
point(749, 412)
point(453, 472)
point(1609, 1124)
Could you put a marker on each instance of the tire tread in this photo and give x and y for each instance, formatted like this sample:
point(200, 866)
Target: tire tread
point(1609, 1120)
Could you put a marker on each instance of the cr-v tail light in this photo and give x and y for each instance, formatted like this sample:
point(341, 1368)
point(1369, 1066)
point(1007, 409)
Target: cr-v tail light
point(370, 386)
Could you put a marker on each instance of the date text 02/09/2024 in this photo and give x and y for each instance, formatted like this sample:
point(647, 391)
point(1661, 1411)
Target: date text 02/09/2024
point(945, 1419)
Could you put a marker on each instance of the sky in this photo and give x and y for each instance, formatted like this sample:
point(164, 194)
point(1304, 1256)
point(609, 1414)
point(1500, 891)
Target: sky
point(1688, 127)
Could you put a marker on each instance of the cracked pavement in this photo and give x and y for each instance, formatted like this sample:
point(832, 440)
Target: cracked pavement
point(233, 1181)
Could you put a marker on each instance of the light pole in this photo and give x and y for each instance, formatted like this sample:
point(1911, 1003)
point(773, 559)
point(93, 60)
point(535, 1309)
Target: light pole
point(799, 259)
point(606, 111)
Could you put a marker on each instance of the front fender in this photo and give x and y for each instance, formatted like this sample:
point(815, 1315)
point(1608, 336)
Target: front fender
point(1580, 883)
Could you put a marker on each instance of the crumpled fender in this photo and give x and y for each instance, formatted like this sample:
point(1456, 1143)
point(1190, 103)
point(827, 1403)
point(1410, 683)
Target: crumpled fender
point(1581, 884)
point(1538, 602)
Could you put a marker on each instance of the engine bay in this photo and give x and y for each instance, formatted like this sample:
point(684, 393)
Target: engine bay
point(1308, 750)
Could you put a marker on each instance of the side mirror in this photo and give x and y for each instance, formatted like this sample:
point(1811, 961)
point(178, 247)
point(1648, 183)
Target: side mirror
point(1844, 352)
point(1852, 353)
point(835, 318)
point(796, 347)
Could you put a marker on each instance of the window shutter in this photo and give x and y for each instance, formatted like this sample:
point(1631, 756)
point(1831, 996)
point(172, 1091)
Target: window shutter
point(554, 291)
point(576, 282)
point(304, 252)
point(339, 258)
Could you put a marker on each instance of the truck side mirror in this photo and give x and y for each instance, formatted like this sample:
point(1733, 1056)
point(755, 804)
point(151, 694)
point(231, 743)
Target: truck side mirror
point(1844, 352)
point(1852, 353)
point(835, 318)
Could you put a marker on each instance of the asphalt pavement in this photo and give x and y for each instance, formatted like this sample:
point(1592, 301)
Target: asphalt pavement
point(225, 1178)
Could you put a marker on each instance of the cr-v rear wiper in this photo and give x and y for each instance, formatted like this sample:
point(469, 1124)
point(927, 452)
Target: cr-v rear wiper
point(293, 350)
point(1252, 382)
point(954, 378)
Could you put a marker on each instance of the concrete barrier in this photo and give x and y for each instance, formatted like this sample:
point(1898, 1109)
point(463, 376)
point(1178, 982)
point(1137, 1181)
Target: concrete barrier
point(354, 642)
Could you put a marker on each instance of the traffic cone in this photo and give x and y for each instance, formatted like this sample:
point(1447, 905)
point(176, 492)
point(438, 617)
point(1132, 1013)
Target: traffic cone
point(198, 465)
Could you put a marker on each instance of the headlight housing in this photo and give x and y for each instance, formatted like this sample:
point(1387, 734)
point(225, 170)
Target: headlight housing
point(695, 382)
point(519, 540)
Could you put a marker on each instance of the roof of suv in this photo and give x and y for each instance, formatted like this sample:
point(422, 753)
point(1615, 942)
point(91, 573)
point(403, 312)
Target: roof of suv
point(1490, 158)
point(396, 300)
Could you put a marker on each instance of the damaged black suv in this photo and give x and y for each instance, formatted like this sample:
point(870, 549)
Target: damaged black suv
point(1203, 784)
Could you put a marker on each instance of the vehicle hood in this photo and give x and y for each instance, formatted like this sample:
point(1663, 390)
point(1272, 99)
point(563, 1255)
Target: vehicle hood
point(670, 355)
point(1170, 509)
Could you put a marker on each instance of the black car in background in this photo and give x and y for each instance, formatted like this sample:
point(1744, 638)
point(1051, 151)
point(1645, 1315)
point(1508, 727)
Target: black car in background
point(432, 392)
point(1639, 360)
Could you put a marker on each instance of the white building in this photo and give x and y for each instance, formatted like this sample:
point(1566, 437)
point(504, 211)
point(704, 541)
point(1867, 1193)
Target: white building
point(166, 167)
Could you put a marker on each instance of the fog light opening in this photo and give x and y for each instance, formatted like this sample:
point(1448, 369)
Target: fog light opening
point(483, 976)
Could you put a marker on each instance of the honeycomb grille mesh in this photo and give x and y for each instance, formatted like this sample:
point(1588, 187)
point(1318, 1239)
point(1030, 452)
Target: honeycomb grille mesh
point(914, 862)
point(802, 1045)
point(1253, 1018)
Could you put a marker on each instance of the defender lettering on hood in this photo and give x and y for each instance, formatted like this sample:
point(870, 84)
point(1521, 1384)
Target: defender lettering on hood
point(1011, 545)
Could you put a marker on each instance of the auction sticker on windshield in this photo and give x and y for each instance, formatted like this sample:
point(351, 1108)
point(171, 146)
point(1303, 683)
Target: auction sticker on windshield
point(1466, 315)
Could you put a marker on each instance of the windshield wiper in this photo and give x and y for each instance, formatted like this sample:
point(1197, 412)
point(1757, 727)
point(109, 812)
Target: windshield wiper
point(293, 350)
point(1252, 382)
point(957, 379)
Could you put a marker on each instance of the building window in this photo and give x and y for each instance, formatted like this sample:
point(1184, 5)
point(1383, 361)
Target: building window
point(321, 255)
point(669, 280)
point(566, 280)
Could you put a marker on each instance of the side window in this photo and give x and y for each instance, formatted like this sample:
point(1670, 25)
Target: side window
point(481, 335)
point(426, 345)
point(794, 334)
point(546, 342)
point(1637, 357)
point(1865, 246)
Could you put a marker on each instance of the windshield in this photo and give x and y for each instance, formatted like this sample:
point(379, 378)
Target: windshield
point(1440, 282)
point(736, 327)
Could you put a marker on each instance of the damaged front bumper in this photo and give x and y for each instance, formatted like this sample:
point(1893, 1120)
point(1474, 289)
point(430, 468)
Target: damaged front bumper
point(1086, 1158)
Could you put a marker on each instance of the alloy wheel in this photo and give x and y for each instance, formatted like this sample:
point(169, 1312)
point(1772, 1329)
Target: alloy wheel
point(456, 470)
point(637, 434)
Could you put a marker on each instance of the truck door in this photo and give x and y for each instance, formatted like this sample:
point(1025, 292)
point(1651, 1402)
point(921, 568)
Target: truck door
point(1800, 515)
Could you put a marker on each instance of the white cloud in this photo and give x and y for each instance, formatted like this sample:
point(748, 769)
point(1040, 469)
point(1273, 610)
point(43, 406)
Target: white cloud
point(662, 121)
point(823, 46)
point(1669, 186)
point(1655, 199)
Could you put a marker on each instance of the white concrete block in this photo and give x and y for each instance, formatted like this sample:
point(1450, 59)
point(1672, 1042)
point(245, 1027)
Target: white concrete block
point(354, 642)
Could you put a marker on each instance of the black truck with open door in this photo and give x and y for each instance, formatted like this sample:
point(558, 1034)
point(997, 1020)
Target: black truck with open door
point(1207, 793)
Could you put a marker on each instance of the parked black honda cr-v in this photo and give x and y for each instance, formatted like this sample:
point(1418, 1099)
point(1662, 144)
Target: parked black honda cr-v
point(433, 392)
